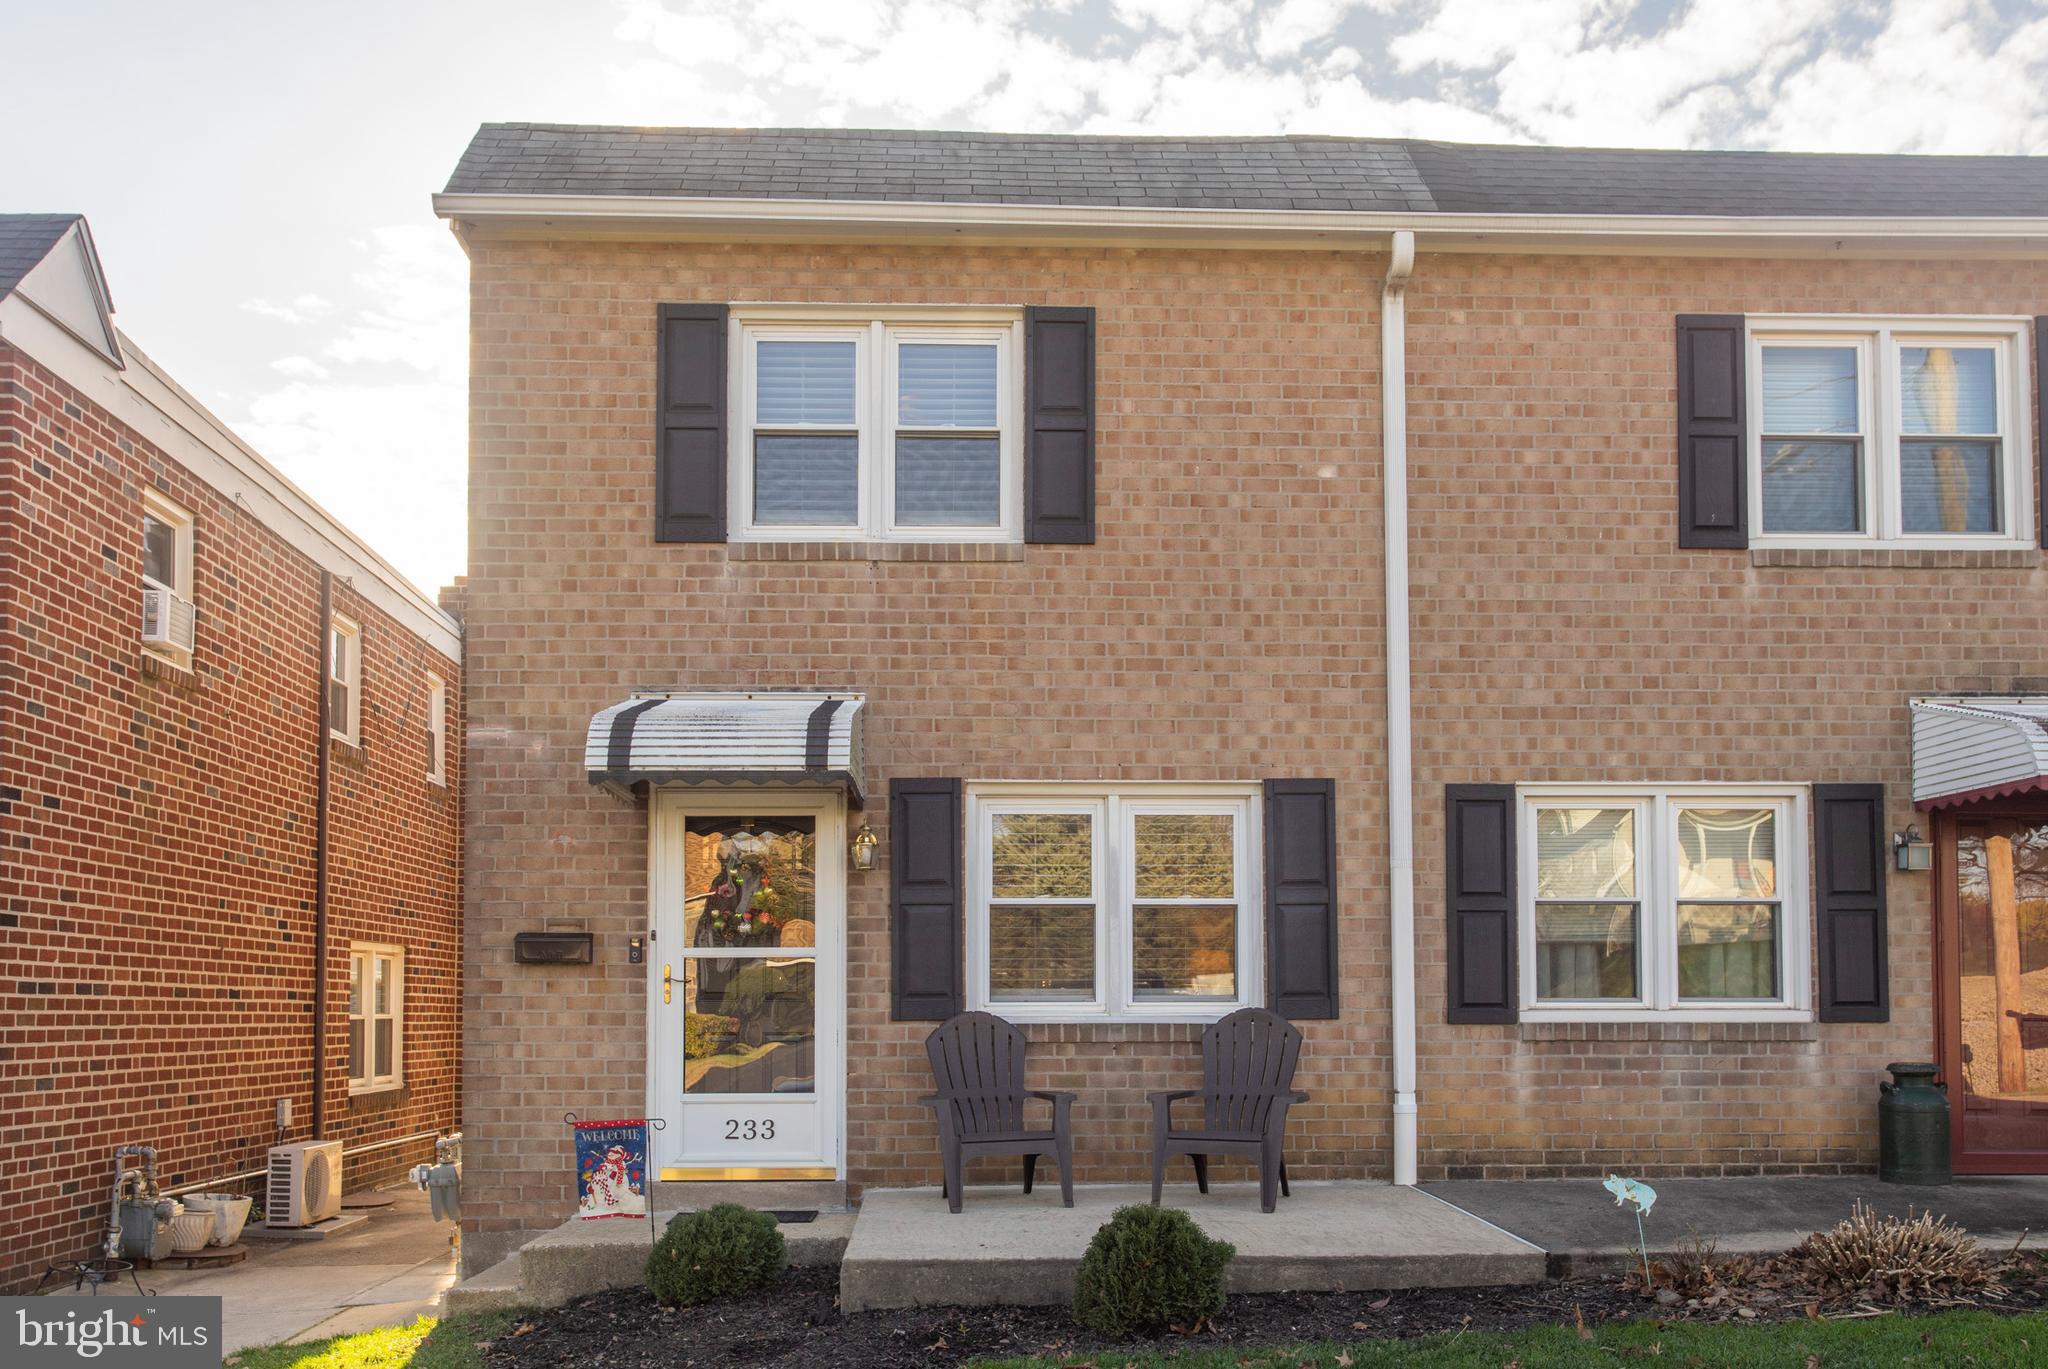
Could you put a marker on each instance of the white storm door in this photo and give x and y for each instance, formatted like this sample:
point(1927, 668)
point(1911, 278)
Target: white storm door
point(747, 985)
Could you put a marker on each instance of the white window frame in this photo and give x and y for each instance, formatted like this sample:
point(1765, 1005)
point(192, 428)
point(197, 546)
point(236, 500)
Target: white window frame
point(181, 521)
point(1657, 808)
point(876, 335)
point(1114, 809)
point(1878, 340)
point(364, 954)
point(437, 728)
point(347, 729)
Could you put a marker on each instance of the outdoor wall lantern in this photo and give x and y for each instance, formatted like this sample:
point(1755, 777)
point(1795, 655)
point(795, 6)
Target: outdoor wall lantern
point(1912, 851)
point(863, 848)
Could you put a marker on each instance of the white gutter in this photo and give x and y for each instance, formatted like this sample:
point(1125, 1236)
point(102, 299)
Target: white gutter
point(1400, 720)
point(811, 219)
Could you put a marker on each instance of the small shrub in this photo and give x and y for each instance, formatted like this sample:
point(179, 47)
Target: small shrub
point(706, 1034)
point(720, 1252)
point(1890, 1259)
point(1150, 1268)
point(1696, 1270)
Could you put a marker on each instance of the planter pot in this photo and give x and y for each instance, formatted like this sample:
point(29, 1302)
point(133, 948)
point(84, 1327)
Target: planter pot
point(191, 1230)
point(230, 1215)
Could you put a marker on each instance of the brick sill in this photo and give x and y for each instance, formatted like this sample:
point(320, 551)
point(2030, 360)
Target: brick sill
point(1987, 558)
point(344, 750)
point(875, 551)
point(1670, 1031)
point(168, 670)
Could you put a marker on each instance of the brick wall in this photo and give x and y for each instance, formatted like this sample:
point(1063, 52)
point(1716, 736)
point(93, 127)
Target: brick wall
point(1561, 635)
point(156, 901)
point(1225, 626)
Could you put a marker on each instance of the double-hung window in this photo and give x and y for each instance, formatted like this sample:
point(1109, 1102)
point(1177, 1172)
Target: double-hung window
point(437, 730)
point(1095, 903)
point(167, 614)
point(1902, 432)
point(344, 680)
point(376, 1017)
point(1641, 904)
point(903, 427)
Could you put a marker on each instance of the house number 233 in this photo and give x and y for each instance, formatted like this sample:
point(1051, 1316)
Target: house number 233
point(749, 1129)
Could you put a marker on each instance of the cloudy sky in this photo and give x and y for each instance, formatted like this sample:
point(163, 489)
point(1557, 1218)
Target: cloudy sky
point(257, 174)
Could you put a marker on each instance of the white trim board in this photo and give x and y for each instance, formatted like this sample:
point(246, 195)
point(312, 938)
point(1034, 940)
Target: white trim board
point(876, 220)
point(162, 413)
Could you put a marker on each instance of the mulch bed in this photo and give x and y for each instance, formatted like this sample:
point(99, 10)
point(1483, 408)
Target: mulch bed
point(797, 1323)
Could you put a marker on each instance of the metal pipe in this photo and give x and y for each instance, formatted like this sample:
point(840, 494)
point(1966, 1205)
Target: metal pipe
point(1400, 718)
point(320, 860)
point(259, 1173)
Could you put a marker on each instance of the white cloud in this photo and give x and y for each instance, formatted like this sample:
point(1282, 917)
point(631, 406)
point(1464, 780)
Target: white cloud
point(376, 426)
point(303, 309)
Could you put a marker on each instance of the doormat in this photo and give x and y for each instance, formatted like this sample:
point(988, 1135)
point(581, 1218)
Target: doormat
point(793, 1218)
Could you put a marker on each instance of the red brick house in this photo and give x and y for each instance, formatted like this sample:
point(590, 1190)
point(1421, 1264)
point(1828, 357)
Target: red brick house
point(230, 770)
point(1518, 612)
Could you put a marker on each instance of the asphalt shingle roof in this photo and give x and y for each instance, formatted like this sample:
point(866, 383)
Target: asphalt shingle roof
point(25, 239)
point(962, 168)
point(1289, 173)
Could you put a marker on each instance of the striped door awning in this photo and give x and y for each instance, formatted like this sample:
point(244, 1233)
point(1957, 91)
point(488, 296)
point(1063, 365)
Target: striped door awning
point(811, 740)
point(1978, 747)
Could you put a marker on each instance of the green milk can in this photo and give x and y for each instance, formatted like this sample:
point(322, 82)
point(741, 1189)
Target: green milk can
point(1912, 1127)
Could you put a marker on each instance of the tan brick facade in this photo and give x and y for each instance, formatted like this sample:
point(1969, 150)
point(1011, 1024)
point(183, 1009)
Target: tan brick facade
point(1561, 635)
point(1227, 624)
point(156, 903)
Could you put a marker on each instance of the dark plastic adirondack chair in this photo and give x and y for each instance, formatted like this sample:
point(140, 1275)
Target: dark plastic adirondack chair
point(978, 1066)
point(1248, 1063)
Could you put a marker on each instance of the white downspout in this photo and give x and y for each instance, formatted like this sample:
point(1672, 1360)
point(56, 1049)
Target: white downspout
point(1400, 750)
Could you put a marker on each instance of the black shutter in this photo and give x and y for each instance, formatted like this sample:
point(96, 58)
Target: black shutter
point(1713, 443)
point(1059, 425)
point(2041, 423)
point(1301, 898)
point(924, 893)
point(689, 472)
point(1479, 895)
point(1848, 898)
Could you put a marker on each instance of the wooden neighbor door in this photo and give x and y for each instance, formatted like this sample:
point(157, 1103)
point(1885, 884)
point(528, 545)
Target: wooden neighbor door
point(747, 985)
point(1991, 977)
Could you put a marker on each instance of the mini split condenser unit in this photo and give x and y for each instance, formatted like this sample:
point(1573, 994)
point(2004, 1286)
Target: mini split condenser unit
point(305, 1184)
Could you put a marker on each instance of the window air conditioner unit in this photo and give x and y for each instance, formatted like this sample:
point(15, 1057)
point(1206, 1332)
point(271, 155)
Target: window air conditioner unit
point(166, 619)
point(305, 1184)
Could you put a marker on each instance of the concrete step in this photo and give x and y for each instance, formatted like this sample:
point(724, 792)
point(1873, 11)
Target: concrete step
point(498, 1286)
point(909, 1251)
point(776, 1195)
point(581, 1257)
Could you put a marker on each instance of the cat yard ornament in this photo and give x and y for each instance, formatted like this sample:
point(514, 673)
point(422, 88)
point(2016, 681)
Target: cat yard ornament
point(1640, 1197)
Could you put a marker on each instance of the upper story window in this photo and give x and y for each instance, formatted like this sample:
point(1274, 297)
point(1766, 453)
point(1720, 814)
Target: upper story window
point(437, 730)
point(1910, 432)
point(1095, 904)
point(1639, 904)
point(344, 680)
point(167, 614)
point(899, 428)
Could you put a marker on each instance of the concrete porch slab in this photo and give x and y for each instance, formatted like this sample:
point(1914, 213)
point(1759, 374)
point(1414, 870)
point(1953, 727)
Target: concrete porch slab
point(581, 1257)
point(909, 1251)
point(1576, 1221)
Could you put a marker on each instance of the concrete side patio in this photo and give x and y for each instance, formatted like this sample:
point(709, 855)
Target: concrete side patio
point(1005, 1247)
point(383, 1272)
point(1577, 1223)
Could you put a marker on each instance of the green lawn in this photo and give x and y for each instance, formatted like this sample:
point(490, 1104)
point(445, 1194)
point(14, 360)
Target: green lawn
point(426, 1344)
point(1937, 1342)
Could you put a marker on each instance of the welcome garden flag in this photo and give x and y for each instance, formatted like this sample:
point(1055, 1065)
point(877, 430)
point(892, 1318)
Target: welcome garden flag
point(611, 1168)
